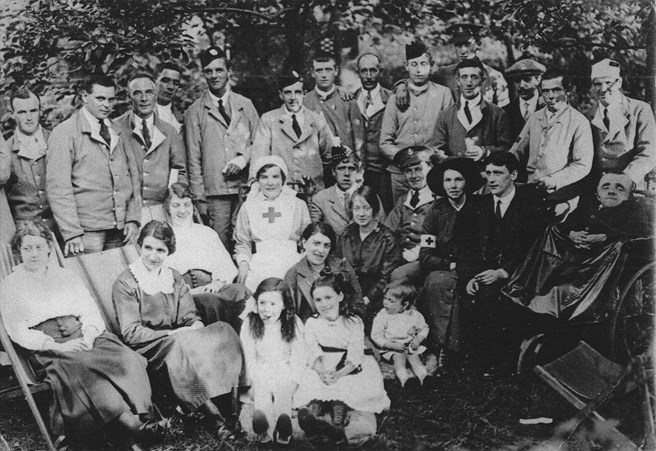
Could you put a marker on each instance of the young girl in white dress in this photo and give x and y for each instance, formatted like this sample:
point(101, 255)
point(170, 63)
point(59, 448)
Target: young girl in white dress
point(272, 340)
point(340, 377)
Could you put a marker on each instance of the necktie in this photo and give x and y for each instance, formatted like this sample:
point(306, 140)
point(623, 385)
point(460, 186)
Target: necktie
point(414, 200)
point(223, 112)
point(467, 112)
point(525, 111)
point(497, 211)
point(606, 119)
point(367, 103)
point(146, 134)
point(104, 132)
point(295, 126)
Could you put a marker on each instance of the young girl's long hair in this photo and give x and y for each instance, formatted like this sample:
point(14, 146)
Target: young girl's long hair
point(337, 282)
point(287, 316)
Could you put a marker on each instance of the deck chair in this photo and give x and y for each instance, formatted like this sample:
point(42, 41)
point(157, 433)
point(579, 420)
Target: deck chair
point(30, 381)
point(586, 379)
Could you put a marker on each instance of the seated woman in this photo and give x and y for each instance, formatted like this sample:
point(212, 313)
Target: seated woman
point(370, 248)
point(158, 319)
point(318, 241)
point(96, 380)
point(203, 261)
point(272, 219)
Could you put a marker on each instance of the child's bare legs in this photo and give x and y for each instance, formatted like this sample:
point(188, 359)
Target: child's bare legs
point(417, 366)
point(399, 360)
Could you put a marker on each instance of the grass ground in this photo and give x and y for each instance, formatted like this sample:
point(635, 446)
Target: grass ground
point(460, 412)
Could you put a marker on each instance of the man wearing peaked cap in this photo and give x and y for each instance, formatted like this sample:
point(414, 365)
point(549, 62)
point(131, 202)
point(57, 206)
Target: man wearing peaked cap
point(407, 217)
point(525, 75)
point(623, 129)
point(467, 41)
point(219, 131)
point(297, 134)
point(414, 126)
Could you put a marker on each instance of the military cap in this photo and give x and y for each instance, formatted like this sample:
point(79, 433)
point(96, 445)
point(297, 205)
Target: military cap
point(288, 78)
point(524, 67)
point(414, 50)
point(210, 54)
point(409, 156)
point(341, 153)
point(462, 32)
point(605, 68)
point(465, 166)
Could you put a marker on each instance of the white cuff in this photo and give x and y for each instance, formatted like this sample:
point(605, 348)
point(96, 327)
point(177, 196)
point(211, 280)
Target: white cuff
point(239, 161)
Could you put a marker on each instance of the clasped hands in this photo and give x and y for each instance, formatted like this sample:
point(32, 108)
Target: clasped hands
point(583, 239)
point(487, 277)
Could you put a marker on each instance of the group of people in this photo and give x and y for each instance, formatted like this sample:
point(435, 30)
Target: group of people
point(363, 227)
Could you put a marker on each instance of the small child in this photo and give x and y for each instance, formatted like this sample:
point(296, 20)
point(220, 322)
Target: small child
point(274, 352)
point(340, 376)
point(399, 329)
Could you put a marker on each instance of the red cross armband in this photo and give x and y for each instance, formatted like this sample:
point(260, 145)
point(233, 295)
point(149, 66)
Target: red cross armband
point(428, 241)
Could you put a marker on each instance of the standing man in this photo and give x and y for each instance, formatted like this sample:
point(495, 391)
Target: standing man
point(407, 218)
point(467, 41)
point(343, 116)
point(169, 76)
point(297, 134)
point(92, 180)
point(219, 129)
point(556, 142)
point(371, 99)
point(525, 75)
point(155, 144)
point(26, 189)
point(414, 126)
point(473, 127)
point(623, 129)
point(492, 239)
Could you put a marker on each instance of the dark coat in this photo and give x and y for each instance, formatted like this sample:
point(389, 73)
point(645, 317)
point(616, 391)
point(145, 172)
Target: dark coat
point(515, 118)
point(373, 159)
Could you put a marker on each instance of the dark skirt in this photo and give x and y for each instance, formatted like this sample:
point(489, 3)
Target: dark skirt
point(92, 388)
point(226, 305)
point(200, 364)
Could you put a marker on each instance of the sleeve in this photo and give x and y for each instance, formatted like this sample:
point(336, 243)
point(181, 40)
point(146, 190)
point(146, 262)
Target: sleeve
point(391, 259)
point(394, 220)
point(59, 188)
point(133, 211)
point(254, 123)
point(242, 236)
point(5, 161)
point(298, 360)
point(301, 217)
point(312, 348)
point(357, 126)
point(431, 259)
point(644, 145)
point(223, 268)
point(325, 142)
point(389, 129)
point(261, 145)
point(177, 158)
point(420, 324)
point(352, 279)
point(187, 313)
point(502, 133)
point(192, 131)
point(442, 132)
point(580, 160)
point(15, 319)
point(128, 311)
point(316, 214)
point(378, 329)
point(521, 147)
point(355, 347)
point(248, 348)
point(87, 308)
point(290, 281)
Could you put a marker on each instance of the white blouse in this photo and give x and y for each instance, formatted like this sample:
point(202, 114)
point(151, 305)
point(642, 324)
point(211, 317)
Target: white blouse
point(30, 298)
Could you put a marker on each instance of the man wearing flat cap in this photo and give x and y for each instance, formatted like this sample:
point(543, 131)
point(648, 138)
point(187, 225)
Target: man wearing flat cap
point(297, 134)
point(330, 205)
point(473, 127)
point(525, 75)
point(407, 217)
point(556, 143)
point(623, 129)
point(466, 40)
point(219, 130)
point(454, 181)
point(415, 126)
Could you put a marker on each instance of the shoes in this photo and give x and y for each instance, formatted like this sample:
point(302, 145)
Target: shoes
point(412, 385)
point(315, 428)
point(428, 382)
point(282, 435)
point(153, 431)
point(260, 422)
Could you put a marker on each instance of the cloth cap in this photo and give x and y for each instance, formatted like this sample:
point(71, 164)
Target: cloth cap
point(605, 68)
point(414, 50)
point(211, 54)
point(466, 166)
point(288, 78)
point(270, 159)
point(525, 67)
point(407, 157)
point(462, 32)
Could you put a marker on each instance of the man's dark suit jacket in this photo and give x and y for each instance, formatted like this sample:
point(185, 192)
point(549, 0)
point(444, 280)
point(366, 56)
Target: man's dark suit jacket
point(476, 239)
point(515, 118)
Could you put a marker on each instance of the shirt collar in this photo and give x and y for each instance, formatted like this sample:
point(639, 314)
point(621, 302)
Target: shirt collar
point(152, 282)
point(475, 102)
point(150, 120)
point(425, 196)
point(224, 97)
point(373, 93)
point(94, 122)
point(32, 146)
point(505, 201)
point(324, 94)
